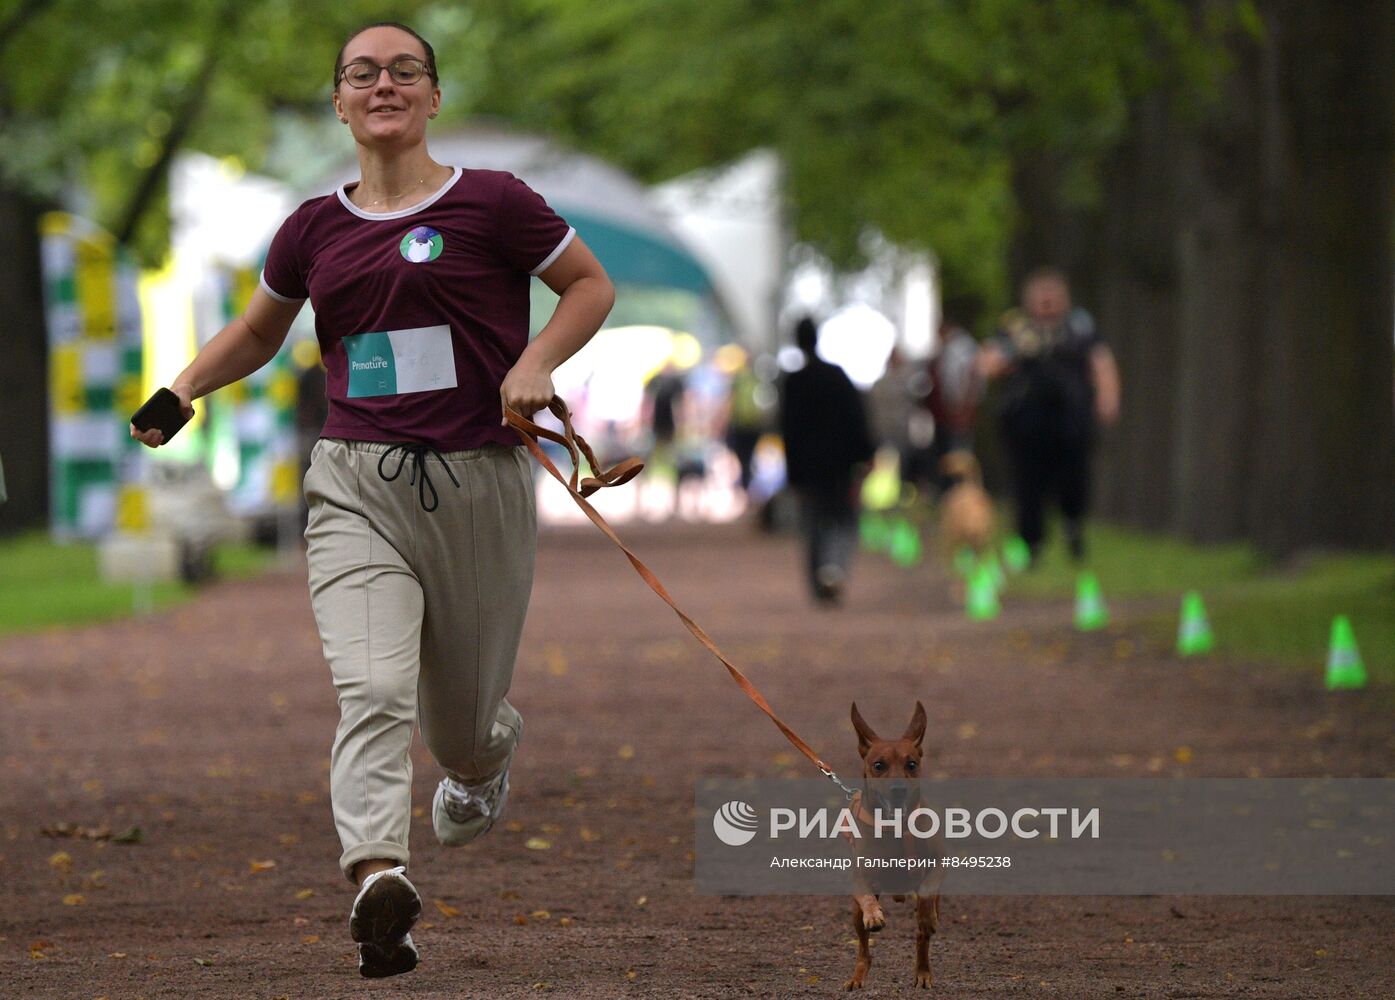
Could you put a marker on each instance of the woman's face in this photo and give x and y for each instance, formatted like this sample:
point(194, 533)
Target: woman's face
point(387, 113)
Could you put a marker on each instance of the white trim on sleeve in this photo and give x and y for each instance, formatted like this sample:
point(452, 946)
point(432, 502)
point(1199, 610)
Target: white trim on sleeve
point(274, 293)
point(571, 231)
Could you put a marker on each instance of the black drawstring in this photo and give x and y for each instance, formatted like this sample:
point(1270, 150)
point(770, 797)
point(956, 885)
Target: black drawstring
point(418, 453)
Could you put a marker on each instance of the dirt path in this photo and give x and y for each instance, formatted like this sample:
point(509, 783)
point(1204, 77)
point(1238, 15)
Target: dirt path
point(209, 728)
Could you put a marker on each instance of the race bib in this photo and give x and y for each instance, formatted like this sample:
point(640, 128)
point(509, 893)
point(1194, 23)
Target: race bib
point(396, 362)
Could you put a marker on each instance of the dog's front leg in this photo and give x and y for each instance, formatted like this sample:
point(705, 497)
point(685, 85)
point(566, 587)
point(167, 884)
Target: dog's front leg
point(927, 914)
point(862, 927)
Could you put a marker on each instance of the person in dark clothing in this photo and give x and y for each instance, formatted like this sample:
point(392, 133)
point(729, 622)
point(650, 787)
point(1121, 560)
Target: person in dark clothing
point(1060, 382)
point(665, 392)
point(824, 426)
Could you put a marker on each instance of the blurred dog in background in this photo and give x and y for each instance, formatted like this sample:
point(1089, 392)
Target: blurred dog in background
point(966, 511)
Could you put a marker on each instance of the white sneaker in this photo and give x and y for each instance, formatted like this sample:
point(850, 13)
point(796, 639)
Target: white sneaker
point(384, 911)
point(461, 812)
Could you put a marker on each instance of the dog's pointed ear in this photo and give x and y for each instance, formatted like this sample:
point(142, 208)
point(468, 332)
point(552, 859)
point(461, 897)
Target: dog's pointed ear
point(915, 732)
point(865, 736)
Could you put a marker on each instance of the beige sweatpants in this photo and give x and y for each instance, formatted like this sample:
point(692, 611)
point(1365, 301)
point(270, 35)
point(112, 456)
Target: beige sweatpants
point(420, 616)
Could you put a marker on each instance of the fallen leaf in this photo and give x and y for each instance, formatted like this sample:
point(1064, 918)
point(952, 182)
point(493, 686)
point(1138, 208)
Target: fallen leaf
point(565, 922)
point(642, 901)
point(514, 826)
point(262, 866)
point(288, 839)
point(520, 920)
point(61, 860)
point(1183, 755)
point(626, 752)
point(446, 909)
point(305, 894)
point(967, 730)
point(73, 899)
point(631, 974)
point(117, 954)
point(419, 811)
point(538, 844)
point(205, 962)
point(130, 835)
point(311, 939)
point(540, 915)
point(589, 835)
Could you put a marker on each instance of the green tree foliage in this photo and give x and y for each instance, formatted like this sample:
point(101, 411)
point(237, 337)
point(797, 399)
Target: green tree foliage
point(903, 116)
point(98, 95)
point(906, 116)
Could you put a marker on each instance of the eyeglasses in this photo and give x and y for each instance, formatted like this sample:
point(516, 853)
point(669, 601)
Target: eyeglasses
point(362, 74)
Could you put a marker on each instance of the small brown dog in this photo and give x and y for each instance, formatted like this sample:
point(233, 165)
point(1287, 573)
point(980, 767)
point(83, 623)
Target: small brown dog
point(966, 512)
point(881, 760)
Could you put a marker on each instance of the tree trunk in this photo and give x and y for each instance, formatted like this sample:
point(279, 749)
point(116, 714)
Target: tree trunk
point(1136, 311)
point(1327, 447)
point(1246, 277)
point(24, 375)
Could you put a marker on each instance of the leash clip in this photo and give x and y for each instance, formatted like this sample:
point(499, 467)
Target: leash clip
point(848, 793)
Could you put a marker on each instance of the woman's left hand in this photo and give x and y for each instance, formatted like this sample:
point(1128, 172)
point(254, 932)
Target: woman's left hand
point(527, 389)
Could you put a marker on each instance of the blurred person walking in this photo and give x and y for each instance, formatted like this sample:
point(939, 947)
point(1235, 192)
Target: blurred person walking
point(745, 417)
point(419, 277)
point(890, 404)
point(1060, 381)
point(824, 426)
point(956, 387)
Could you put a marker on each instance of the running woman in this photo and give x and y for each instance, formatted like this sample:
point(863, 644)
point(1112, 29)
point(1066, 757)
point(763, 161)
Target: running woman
point(418, 275)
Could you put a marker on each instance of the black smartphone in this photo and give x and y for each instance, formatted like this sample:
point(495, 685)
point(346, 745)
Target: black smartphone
point(161, 410)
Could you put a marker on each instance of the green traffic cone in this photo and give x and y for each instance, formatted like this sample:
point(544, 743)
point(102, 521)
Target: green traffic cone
point(1194, 630)
point(964, 562)
point(995, 567)
point(905, 542)
point(1090, 612)
point(872, 528)
point(1016, 554)
point(982, 603)
point(1345, 671)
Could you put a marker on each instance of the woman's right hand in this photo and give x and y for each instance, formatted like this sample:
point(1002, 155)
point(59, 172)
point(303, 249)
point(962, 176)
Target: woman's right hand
point(154, 437)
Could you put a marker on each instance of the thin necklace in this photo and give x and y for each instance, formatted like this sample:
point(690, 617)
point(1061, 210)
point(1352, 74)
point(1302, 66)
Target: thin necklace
point(391, 197)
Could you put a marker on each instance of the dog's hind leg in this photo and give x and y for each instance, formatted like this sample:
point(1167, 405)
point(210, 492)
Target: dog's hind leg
point(927, 914)
point(864, 954)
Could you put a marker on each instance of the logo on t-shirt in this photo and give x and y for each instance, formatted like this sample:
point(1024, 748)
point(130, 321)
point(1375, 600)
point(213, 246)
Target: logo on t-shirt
point(422, 245)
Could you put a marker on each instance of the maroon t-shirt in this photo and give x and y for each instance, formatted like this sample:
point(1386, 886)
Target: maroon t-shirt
point(420, 313)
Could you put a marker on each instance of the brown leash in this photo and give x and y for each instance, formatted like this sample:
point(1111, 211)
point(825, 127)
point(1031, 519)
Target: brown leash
point(618, 475)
